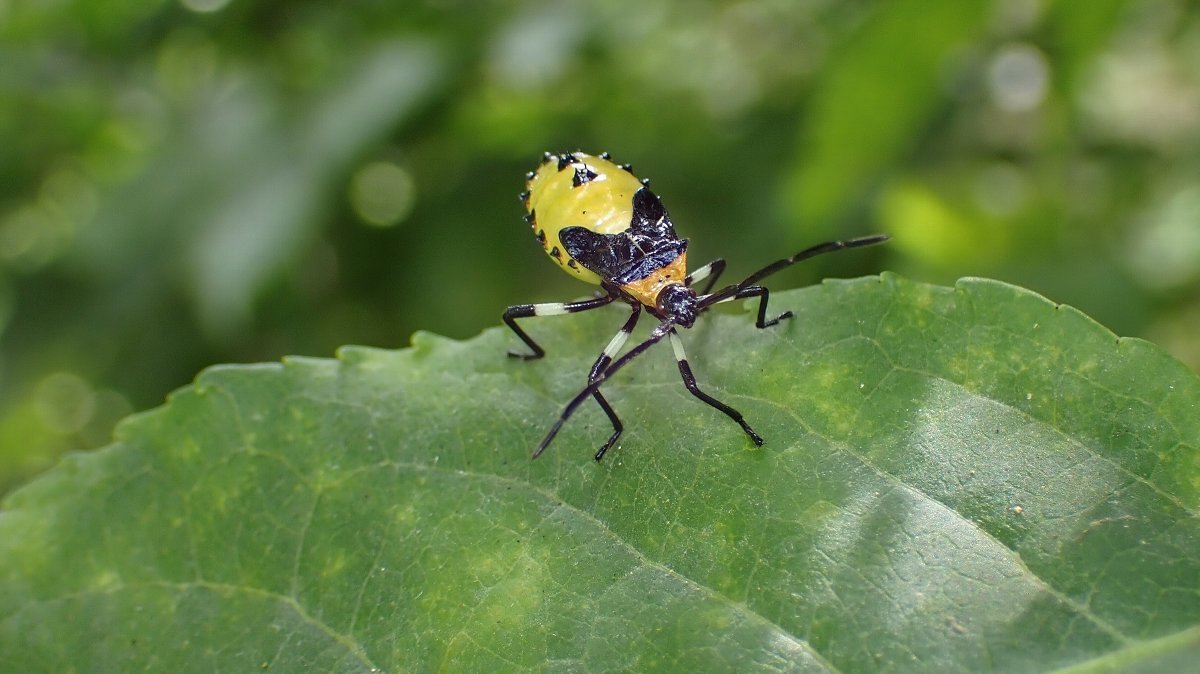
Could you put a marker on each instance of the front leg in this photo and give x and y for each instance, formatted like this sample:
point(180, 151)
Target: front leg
point(763, 294)
point(689, 381)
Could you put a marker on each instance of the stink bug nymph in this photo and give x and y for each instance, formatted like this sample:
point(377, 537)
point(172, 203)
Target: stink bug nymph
point(601, 224)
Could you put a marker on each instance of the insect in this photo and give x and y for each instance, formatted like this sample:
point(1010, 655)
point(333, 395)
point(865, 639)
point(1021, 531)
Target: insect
point(602, 225)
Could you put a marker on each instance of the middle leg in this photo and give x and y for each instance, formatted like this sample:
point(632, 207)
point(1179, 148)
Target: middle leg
point(711, 271)
point(601, 364)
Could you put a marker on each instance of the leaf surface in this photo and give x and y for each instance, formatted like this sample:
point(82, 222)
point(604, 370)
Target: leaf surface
point(954, 479)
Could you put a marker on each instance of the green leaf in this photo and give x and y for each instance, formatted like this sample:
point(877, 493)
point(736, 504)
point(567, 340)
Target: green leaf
point(966, 479)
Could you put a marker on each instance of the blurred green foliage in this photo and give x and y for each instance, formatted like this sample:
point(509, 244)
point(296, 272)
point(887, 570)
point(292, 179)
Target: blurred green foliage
point(207, 181)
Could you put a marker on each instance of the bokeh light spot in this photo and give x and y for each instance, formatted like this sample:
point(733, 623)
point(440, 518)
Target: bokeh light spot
point(1164, 252)
point(186, 63)
point(1018, 78)
point(382, 193)
point(204, 6)
point(65, 402)
point(534, 48)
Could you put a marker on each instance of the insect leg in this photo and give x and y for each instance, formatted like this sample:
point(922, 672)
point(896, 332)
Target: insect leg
point(655, 337)
point(548, 309)
point(689, 380)
point(712, 269)
point(602, 362)
point(762, 293)
point(728, 292)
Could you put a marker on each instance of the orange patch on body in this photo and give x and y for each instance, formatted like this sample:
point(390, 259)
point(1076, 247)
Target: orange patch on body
point(646, 290)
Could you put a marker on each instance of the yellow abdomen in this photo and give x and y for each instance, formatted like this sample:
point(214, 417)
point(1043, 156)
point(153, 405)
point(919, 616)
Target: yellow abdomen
point(578, 190)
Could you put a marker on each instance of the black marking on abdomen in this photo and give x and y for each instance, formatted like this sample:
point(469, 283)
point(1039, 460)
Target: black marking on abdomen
point(583, 175)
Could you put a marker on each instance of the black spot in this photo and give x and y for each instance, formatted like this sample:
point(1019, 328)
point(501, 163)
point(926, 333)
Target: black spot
point(541, 237)
point(531, 218)
point(645, 182)
point(556, 253)
point(524, 197)
point(530, 175)
point(605, 155)
point(583, 175)
point(572, 264)
point(565, 160)
point(628, 168)
point(547, 157)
